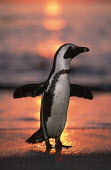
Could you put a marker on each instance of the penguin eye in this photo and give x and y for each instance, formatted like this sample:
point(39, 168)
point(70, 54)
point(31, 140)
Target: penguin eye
point(73, 48)
point(69, 53)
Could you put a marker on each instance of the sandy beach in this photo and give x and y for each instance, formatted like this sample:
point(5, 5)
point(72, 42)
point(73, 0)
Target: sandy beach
point(86, 131)
point(58, 161)
point(91, 150)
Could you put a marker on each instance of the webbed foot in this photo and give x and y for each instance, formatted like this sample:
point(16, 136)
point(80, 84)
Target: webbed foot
point(48, 145)
point(59, 144)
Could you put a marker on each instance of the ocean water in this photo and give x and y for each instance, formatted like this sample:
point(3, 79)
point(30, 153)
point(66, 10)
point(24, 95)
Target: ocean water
point(30, 34)
point(24, 113)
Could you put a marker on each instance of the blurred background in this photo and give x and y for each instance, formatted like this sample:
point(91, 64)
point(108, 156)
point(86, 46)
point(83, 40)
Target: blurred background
point(30, 33)
point(32, 30)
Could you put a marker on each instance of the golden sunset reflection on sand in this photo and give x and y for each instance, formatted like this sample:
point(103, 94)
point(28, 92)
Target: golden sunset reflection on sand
point(83, 141)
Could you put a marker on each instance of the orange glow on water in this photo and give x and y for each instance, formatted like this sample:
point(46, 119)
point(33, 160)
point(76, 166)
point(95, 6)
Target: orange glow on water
point(54, 24)
point(51, 22)
point(80, 113)
point(52, 8)
point(39, 1)
point(37, 113)
point(38, 101)
point(48, 48)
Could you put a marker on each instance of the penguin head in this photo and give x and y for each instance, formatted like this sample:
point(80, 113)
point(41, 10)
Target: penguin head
point(73, 50)
point(70, 51)
point(66, 53)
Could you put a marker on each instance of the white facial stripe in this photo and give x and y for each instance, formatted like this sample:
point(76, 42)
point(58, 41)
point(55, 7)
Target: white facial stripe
point(62, 63)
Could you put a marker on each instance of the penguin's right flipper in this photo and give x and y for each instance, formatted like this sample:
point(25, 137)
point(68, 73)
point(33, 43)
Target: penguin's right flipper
point(80, 91)
point(37, 137)
point(31, 90)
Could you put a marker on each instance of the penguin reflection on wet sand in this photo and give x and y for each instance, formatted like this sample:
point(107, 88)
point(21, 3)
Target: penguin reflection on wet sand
point(56, 92)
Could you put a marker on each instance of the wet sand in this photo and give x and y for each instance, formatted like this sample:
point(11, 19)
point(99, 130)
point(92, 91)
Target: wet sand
point(57, 161)
point(91, 149)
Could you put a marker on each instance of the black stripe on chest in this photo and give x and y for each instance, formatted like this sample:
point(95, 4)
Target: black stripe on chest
point(49, 95)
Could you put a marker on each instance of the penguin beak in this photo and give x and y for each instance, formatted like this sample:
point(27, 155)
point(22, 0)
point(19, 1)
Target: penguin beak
point(74, 51)
point(82, 49)
point(79, 50)
point(85, 49)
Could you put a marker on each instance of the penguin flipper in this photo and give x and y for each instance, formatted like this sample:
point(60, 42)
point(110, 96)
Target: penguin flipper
point(80, 91)
point(37, 137)
point(31, 90)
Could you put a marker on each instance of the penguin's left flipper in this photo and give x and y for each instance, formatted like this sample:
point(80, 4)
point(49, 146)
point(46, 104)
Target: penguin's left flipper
point(80, 91)
point(31, 90)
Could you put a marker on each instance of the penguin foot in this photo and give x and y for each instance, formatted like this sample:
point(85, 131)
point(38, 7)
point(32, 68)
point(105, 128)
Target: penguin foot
point(58, 147)
point(61, 146)
point(48, 148)
point(65, 146)
point(48, 145)
point(58, 143)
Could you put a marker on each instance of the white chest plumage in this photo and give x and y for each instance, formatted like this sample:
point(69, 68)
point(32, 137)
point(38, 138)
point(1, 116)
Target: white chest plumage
point(57, 120)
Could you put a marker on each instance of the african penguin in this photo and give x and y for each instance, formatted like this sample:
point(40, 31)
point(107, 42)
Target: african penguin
point(56, 92)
